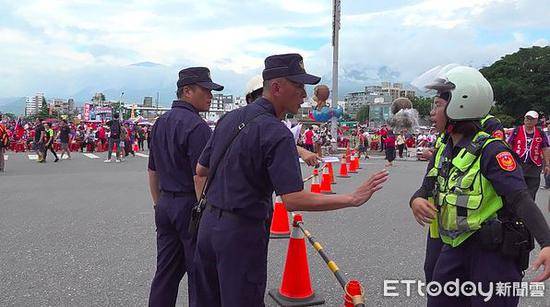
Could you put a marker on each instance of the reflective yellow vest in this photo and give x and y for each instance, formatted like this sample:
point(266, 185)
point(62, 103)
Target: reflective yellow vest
point(433, 230)
point(464, 197)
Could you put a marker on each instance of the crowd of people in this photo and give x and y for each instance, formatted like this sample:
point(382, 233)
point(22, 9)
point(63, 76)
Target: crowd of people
point(52, 136)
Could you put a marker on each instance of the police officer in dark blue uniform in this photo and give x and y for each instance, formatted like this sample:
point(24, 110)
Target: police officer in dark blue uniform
point(177, 140)
point(231, 255)
point(481, 206)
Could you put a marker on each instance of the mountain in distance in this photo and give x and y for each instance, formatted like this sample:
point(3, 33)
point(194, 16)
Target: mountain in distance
point(15, 105)
point(147, 78)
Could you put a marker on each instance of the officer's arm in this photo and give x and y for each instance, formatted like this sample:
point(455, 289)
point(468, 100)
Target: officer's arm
point(309, 157)
point(428, 183)
point(504, 173)
point(154, 186)
point(307, 201)
point(200, 179)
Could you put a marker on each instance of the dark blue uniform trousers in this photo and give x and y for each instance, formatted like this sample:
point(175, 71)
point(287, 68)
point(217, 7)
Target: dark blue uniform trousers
point(470, 262)
point(433, 248)
point(231, 260)
point(175, 250)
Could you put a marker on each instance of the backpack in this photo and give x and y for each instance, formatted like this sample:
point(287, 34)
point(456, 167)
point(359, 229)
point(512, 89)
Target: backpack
point(115, 128)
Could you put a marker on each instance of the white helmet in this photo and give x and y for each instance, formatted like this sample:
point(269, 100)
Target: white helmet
point(471, 94)
point(254, 84)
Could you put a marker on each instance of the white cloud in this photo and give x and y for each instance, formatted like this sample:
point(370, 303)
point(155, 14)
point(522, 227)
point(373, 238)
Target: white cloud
point(235, 36)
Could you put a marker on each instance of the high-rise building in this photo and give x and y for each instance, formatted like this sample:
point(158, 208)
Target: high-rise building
point(353, 102)
point(148, 101)
point(396, 90)
point(61, 106)
point(218, 106)
point(34, 103)
point(71, 105)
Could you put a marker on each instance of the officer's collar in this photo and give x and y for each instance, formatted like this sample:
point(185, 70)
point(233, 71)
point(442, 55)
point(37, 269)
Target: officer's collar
point(266, 104)
point(465, 141)
point(185, 105)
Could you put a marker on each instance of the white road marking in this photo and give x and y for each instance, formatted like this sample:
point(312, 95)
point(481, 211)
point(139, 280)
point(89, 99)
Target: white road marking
point(91, 156)
point(142, 155)
point(33, 157)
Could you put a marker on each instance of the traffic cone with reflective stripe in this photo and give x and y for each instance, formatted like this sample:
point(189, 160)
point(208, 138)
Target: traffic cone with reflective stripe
point(352, 165)
point(326, 187)
point(295, 289)
point(315, 186)
point(343, 168)
point(354, 295)
point(331, 172)
point(279, 222)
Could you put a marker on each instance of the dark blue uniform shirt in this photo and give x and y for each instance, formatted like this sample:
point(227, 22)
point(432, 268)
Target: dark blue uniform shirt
point(177, 140)
point(262, 159)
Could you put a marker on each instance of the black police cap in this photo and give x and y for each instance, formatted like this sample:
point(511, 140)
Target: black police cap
point(289, 66)
point(199, 76)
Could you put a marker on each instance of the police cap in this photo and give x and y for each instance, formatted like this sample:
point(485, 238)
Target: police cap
point(199, 76)
point(289, 66)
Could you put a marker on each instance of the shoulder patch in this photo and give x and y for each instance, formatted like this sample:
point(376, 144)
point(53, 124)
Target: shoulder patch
point(498, 134)
point(506, 161)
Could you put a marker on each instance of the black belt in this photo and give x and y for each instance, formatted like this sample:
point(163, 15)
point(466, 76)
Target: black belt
point(222, 212)
point(176, 194)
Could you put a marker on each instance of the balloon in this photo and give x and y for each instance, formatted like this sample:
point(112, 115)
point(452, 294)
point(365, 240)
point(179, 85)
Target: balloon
point(326, 113)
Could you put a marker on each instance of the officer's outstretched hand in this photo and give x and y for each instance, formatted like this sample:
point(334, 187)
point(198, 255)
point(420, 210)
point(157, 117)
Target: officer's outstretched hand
point(544, 259)
point(423, 210)
point(365, 191)
point(311, 158)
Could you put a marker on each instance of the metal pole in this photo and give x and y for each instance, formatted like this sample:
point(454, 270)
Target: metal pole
point(335, 29)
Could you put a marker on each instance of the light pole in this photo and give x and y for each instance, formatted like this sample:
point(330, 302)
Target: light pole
point(335, 29)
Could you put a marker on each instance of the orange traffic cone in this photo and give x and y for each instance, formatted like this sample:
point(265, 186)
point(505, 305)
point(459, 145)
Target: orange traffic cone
point(357, 160)
point(326, 187)
point(343, 168)
point(279, 222)
point(354, 294)
point(295, 289)
point(331, 172)
point(352, 165)
point(315, 186)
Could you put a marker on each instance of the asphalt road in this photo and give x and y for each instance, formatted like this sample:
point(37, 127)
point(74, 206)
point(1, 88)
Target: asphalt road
point(81, 233)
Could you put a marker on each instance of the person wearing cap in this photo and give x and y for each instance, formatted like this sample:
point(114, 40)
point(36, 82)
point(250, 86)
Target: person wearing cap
point(531, 146)
point(474, 198)
point(231, 251)
point(254, 90)
point(177, 140)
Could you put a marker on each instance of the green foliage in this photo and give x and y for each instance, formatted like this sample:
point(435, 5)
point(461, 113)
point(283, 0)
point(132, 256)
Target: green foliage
point(521, 82)
point(423, 105)
point(363, 114)
point(9, 115)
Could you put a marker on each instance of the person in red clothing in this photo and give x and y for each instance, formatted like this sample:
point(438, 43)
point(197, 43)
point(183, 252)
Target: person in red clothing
point(531, 146)
point(308, 139)
point(102, 136)
point(383, 132)
point(389, 145)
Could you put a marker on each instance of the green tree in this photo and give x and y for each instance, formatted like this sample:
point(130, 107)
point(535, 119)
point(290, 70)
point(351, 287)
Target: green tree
point(423, 105)
point(521, 82)
point(9, 115)
point(363, 114)
point(44, 111)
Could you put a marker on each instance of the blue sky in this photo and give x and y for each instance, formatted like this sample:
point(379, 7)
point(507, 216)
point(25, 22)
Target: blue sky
point(61, 47)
